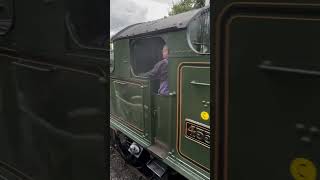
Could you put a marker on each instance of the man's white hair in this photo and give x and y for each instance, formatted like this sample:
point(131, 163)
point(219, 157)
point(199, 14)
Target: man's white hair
point(165, 47)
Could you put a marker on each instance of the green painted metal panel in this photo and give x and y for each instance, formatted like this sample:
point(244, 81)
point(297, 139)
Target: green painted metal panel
point(130, 132)
point(178, 44)
point(130, 104)
point(121, 59)
point(194, 129)
point(162, 120)
point(189, 171)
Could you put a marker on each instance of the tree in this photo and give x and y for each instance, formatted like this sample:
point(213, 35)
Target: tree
point(186, 5)
point(199, 3)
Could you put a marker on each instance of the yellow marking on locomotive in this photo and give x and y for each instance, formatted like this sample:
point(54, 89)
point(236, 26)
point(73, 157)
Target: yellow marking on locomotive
point(303, 169)
point(204, 115)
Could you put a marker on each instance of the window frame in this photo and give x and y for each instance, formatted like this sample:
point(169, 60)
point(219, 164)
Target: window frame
point(188, 34)
point(131, 53)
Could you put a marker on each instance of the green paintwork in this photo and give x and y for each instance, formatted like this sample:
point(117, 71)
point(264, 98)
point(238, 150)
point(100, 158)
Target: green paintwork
point(192, 97)
point(157, 118)
point(162, 119)
point(121, 59)
point(130, 104)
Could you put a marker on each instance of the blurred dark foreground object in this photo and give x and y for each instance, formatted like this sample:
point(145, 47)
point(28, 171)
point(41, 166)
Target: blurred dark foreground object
point(53, 89)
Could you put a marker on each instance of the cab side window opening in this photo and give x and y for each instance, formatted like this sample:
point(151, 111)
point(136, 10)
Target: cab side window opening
point(145, 53)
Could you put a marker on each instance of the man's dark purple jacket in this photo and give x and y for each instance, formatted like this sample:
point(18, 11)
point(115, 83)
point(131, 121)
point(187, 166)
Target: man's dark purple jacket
point(160, 71)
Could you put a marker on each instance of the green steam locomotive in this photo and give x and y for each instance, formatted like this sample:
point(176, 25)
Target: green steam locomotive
point(161, 134)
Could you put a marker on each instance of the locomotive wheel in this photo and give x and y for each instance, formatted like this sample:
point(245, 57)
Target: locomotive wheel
point(122, 144)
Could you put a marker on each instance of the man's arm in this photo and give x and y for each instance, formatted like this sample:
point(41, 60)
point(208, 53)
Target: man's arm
point(154, 72)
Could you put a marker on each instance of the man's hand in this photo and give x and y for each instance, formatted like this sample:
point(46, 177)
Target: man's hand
point(143, 75)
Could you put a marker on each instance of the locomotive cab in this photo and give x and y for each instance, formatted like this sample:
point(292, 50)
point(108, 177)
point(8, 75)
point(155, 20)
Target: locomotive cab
point(168, 127)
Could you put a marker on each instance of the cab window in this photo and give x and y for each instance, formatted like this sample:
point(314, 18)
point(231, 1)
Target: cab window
point(199, 33)
point(145, 53)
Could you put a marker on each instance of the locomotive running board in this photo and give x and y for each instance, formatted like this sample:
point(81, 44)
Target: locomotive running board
point(157, 167)
point(159, 149)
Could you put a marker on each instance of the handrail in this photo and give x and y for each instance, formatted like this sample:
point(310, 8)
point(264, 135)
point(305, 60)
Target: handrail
point(199, 83)
point(289, 70)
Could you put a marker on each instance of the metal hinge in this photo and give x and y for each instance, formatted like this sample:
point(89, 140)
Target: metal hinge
point(154, 113)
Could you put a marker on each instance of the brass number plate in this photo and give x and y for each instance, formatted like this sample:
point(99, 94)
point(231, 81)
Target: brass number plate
point(197, 133)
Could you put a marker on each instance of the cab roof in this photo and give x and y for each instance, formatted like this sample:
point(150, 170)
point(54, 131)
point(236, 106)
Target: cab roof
point(171, 23)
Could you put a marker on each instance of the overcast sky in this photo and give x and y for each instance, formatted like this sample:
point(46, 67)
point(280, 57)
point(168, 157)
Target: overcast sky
point(126, 12)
